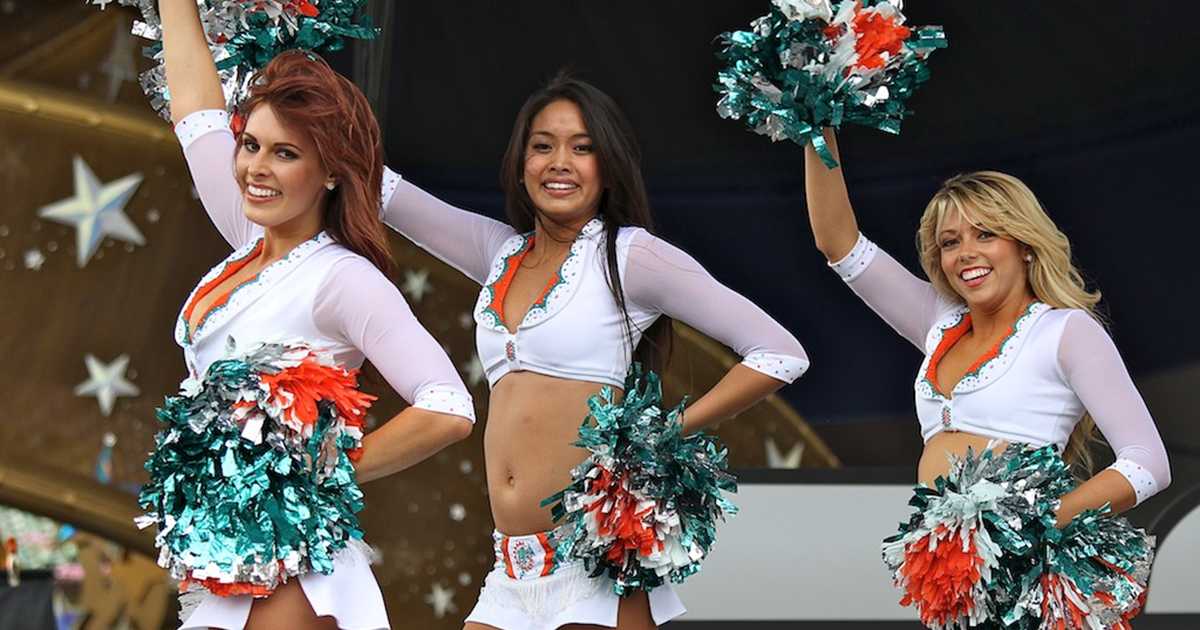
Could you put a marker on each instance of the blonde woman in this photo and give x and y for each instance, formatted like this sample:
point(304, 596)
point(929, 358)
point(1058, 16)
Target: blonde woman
point(1018, 373)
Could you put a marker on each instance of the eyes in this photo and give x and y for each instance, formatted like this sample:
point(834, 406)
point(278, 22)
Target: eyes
point(285, 154)
point(953, 241)
point(581, 148)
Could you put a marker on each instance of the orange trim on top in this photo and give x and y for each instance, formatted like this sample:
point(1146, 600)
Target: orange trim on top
point(548, 560)
point(500, 289)
point(229, 271)
point(951, 337)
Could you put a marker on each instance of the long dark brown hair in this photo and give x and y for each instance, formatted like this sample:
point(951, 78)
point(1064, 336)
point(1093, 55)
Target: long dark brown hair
point(623, 203)
point(304, 91)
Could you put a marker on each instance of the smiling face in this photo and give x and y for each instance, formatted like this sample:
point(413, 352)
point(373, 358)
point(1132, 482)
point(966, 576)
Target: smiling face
point(986, 269)
point(562, 172)
point(280, 172)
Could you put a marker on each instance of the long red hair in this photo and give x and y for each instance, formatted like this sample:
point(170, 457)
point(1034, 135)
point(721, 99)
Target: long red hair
point(304, 91)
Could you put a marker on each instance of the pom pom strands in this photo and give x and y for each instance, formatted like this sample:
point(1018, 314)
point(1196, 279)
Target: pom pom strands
point(245, 35)
point(643, 507)
point(251, 481)
point(983, 550)
point(812, 63)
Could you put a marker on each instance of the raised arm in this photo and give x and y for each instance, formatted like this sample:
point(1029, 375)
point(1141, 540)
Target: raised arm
point(191, 74)
point(907, 303)
point(662, 278)
point(359, 304)
point(464, 240)
point(1091, 364)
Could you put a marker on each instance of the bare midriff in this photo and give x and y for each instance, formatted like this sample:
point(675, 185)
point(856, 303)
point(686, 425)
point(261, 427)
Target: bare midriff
point(533, 420)
point(935, 459)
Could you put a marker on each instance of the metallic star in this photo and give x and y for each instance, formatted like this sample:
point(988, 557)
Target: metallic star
point(474, 370)
point(416, 284)
point(119, 65)
point(442, 600)
point(96, 211)
point(106, 382)
point(775, 459)
point(34, 259)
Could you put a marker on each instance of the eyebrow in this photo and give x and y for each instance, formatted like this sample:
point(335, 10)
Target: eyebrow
point(277, 145)
point(582, 134)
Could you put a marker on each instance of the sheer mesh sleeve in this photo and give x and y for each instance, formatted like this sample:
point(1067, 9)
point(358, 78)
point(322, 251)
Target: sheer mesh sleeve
point(357, 303)
point(662, 278)
point(907, 303)
point(208, 147)
point(464, 240)
point(1091, 364)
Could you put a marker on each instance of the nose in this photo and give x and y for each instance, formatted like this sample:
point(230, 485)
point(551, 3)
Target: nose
point(260, 165)
point(561, 160)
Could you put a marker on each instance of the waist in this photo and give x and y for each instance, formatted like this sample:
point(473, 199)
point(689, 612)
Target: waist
point(531, 556)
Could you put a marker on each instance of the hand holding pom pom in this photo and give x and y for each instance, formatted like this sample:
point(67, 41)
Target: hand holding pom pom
point(806, 66)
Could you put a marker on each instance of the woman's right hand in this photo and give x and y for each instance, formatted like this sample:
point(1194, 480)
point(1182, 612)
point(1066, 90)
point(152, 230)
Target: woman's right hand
point(191, 74)
point(829, 211)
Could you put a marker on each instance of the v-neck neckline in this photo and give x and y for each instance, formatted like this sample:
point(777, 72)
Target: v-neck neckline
point(952, 335)
point(232, 268)
point(512, 265)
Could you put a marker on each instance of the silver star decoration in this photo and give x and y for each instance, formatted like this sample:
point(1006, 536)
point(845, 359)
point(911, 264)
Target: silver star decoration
point(416, 284)
point(119, 64)
point(34, 259)
point(791, 459)
point(458, 512)
point(474, 370)
point(96, 211)
point(466, 320)
point(106, 382)
point(442, 600)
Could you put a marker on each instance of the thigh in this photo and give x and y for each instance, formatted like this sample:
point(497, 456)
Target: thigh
point(633, 614)
point(287, 607)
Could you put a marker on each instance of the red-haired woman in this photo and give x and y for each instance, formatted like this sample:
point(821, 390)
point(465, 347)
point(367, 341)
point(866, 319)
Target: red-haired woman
point(296, 194)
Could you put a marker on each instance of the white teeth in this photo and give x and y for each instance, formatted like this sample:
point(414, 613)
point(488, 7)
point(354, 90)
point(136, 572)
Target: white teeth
point(977, 272)
point(259, 191)
point(559, 186)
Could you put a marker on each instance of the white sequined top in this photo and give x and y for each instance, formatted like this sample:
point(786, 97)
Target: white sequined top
point(321, 293)
point(1033, 388)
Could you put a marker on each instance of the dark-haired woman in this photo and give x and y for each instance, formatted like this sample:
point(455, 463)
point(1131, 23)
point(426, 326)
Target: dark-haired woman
point(576, 287)
point(296, 195)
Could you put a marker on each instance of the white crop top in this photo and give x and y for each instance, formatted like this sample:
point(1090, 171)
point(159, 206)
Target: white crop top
point(1033, 388)
point(575, 329)
point(320, 293)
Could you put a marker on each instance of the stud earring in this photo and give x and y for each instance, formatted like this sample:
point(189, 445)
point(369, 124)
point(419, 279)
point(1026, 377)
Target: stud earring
point(1028, 257)
point(330, 185)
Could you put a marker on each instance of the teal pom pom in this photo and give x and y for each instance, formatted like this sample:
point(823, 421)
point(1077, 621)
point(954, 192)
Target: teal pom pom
point(243, 494)
point(643, 507)
point(809, 64)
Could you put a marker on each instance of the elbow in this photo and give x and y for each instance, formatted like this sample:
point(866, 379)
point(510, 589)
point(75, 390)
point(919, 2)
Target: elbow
point(457, 429)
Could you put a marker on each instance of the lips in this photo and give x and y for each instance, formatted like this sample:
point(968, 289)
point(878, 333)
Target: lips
point(559, 188)
point(261, 194)
point(974, 276)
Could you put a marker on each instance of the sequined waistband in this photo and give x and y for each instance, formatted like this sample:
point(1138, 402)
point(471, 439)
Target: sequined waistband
point(530, 556)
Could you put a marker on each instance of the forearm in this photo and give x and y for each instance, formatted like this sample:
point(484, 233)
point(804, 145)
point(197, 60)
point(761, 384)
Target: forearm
point(737, 391)
point(406, 440)
point(191, 74)
point(829, 211)
point(1107, 487)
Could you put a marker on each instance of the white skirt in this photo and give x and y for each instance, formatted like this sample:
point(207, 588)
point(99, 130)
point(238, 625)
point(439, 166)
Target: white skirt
point(565, 596)
point(350, 595)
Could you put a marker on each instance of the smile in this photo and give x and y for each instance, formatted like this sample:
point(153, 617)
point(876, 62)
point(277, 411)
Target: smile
point(261, 193)
point(974, 276)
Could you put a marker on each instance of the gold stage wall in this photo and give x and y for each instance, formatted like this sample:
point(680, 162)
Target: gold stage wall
point(67, 89)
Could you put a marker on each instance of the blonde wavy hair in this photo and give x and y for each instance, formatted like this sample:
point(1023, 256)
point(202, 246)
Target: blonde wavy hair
point(1005, 206)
